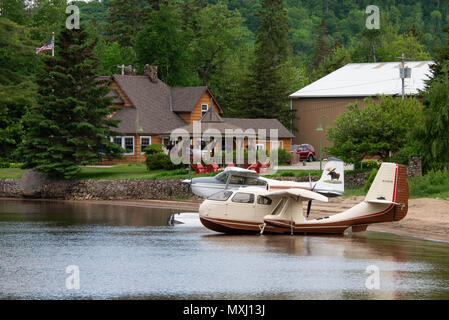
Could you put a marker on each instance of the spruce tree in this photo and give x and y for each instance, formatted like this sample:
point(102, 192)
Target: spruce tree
point(267, 95)
point(441, 60)
point(69, 126)
point(125, 19)
point(321, 51)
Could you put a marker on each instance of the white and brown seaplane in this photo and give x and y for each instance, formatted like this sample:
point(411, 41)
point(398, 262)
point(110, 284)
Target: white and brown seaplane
point(258, 210)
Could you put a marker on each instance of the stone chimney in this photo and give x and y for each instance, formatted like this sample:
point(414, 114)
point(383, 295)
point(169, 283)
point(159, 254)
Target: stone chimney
point(151, 72)
point(129, 71)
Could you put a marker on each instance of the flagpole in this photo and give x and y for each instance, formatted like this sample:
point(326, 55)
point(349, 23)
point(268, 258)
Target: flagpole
point(53, 42)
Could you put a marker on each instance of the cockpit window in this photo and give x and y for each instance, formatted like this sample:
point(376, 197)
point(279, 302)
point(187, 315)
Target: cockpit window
point(222, 177)
point(237, 180)
point(255, 182)
point(242, 197)
point(264, 200)
point(220, 196)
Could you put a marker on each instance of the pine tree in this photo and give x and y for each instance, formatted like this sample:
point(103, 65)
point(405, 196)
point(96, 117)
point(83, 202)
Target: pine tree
point(69, 126)
point(441, 60)
point(321, 50)
point(125, 19)
point(267, 94)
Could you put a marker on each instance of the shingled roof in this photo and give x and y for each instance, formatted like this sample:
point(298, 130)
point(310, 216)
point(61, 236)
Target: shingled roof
point(155, 106)
point(151, 106)
point(256, 124)
point(185, 99)
point(211, 120)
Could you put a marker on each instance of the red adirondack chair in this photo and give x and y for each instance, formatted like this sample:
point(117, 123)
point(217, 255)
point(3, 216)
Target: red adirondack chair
point(199, 168)
point(213, 167)
point(254, 166)
point(263, 167)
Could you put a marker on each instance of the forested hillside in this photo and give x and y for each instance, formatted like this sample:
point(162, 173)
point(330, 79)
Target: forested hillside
point(251, 53)
point(344, 20)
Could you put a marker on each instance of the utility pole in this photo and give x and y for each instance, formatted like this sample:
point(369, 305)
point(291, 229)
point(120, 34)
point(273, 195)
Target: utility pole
point(404, 72)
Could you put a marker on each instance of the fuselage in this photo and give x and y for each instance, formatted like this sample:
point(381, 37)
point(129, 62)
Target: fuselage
point(207, 186)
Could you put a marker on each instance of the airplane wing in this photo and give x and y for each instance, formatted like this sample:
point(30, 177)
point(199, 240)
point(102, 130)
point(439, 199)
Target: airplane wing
point(236, 171)
point(303, 194)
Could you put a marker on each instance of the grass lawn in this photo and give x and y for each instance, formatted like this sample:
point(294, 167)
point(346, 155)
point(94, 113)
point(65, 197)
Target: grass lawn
point(11, 173)
point(134, 171)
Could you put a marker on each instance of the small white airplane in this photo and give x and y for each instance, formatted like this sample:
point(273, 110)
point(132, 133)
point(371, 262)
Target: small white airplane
point(256, 210)
point(330, 184)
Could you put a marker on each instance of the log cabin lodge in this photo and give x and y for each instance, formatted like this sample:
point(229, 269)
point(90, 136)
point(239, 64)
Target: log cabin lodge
point(149, 110)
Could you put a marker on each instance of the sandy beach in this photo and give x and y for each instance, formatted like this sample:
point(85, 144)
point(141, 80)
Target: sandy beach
point(426, 218)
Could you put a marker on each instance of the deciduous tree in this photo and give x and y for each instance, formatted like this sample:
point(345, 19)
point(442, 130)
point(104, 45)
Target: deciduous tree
point(380, 127)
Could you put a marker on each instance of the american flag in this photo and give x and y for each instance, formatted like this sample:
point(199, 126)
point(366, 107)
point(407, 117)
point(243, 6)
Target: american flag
point(47, 46)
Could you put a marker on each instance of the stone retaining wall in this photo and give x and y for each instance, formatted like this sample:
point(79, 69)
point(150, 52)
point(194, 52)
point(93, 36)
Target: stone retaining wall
point(101, 189)
point(126, 189)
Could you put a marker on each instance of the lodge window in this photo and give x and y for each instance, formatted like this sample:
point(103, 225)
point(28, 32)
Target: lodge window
point(204, 108)
point(127, 143)
point(241, 197)
point(144, 142)
point(117, 140)
point(276, 145)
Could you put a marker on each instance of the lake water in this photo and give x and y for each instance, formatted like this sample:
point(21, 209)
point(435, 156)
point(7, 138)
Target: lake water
point(137, 253)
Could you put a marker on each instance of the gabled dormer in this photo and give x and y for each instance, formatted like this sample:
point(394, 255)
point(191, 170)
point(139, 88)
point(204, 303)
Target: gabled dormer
point(192, 103)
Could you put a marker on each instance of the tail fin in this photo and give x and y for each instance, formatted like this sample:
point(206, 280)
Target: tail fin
point(332, 181)
point(390, 186)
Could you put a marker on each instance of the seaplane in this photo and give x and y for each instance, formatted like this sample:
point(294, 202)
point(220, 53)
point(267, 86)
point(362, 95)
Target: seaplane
point(330, 184)
point(258, 210)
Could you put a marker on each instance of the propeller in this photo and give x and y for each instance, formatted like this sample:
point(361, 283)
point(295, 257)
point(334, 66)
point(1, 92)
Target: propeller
point(309, 204)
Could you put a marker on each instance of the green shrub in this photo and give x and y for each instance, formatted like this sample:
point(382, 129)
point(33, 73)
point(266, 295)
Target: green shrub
point(16, 165)
point(152, 149)
point(283, 156)
point(371, 164)
point(370, 179)
point(433, 183)
point(157, 161)
point(4, 164)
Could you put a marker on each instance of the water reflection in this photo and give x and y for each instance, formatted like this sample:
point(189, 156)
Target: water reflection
point(73, 213)
point(133, 252)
